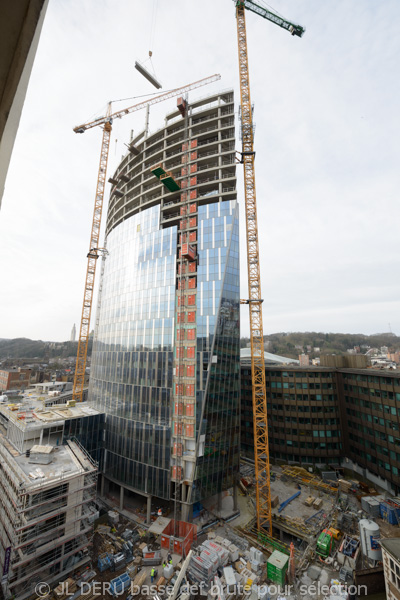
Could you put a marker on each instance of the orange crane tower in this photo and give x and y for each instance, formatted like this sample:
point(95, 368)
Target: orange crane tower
point(94, 250)
point(260, 420)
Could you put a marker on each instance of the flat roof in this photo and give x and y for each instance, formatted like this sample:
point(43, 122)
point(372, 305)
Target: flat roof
point(32, 413)
point(245, 355)
point(63, 465)
point(392, 545)
point(278, 559)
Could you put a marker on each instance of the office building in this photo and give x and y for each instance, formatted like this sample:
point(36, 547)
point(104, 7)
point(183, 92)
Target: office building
point(330, 415)
point(303, 414)
point(165, 365)
point(73, 333)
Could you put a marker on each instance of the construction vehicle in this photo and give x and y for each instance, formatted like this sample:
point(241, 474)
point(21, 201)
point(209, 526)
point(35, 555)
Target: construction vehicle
point(94, 251)
point(261, 451)
point(325, 543)
point(336, 533)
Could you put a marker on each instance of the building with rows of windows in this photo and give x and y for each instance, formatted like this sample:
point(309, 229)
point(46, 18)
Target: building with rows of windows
point(165, 365)
point(324, 415)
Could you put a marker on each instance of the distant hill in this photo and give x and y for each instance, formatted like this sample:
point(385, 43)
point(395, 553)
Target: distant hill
point(284, 344)
point(281, 343)
point(38, 349)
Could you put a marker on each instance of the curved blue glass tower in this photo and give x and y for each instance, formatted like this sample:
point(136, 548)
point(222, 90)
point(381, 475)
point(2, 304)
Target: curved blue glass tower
point(165, 364)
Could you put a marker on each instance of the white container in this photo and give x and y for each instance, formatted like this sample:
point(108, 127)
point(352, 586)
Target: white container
point(233, 553)
point(168, 571)
point(113, 516)
point(256, 554)
point(370, 537)
point(230, 580)
point(255, 566)
point(217, 590)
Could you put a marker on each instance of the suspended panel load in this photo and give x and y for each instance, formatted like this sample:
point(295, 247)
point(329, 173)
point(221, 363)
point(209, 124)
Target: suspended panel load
point(170, 183)
point(158, 170)
point(166, 178)
point(147, 75)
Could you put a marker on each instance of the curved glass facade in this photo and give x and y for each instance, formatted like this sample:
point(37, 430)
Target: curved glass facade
point(166, 359)
point(131, 376)
point(219, 345)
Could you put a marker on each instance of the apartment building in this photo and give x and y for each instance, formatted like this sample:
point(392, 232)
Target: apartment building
point(14, 379)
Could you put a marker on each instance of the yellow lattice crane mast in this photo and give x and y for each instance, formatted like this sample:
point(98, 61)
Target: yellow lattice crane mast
point(260, 421)
point(94, 250)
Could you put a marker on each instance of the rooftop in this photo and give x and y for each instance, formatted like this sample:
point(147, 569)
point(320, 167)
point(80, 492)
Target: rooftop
point(63, 463)
point(392, 545)
point(33, 412)
point(270, 359)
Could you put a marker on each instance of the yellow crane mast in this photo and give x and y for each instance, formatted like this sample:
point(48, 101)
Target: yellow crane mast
point(260, 420)
point(106, 123)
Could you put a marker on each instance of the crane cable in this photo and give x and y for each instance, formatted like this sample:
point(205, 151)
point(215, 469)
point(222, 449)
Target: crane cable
point(152, 33)
point(153, 27)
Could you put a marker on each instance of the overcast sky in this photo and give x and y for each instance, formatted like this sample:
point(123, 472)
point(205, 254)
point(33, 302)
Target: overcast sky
point(327, 153)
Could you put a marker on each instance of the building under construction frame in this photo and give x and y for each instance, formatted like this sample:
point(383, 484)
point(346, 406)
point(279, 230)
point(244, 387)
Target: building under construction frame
point(47, 509)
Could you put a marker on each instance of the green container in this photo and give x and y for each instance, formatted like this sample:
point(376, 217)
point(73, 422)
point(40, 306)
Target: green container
point(277, 565)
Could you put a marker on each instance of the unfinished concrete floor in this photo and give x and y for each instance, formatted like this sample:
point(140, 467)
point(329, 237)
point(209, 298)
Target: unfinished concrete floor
point(297, 508)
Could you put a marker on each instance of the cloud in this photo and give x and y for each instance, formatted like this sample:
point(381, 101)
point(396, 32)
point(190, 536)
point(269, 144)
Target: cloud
point(327, 153)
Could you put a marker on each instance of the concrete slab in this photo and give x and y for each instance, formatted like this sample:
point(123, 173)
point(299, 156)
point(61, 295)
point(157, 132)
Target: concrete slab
point(247, 512)
point(158, 526)
point(297, 508)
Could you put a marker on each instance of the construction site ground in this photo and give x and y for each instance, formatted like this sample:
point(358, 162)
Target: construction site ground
point(241, 528)
point(284, 488)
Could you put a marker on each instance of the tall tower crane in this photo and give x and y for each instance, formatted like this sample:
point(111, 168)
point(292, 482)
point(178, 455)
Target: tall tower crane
point(94, 250)
point(260, 421)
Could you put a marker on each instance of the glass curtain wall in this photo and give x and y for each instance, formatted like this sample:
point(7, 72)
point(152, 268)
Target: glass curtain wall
point(131, 375)
point(218, 393)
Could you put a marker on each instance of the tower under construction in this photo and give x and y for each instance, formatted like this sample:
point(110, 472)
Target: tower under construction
point(165, 364)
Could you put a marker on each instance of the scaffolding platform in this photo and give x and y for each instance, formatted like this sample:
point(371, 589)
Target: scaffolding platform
point(166, 178)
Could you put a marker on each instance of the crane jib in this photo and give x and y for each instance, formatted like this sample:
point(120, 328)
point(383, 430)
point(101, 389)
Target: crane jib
point(294, 29)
